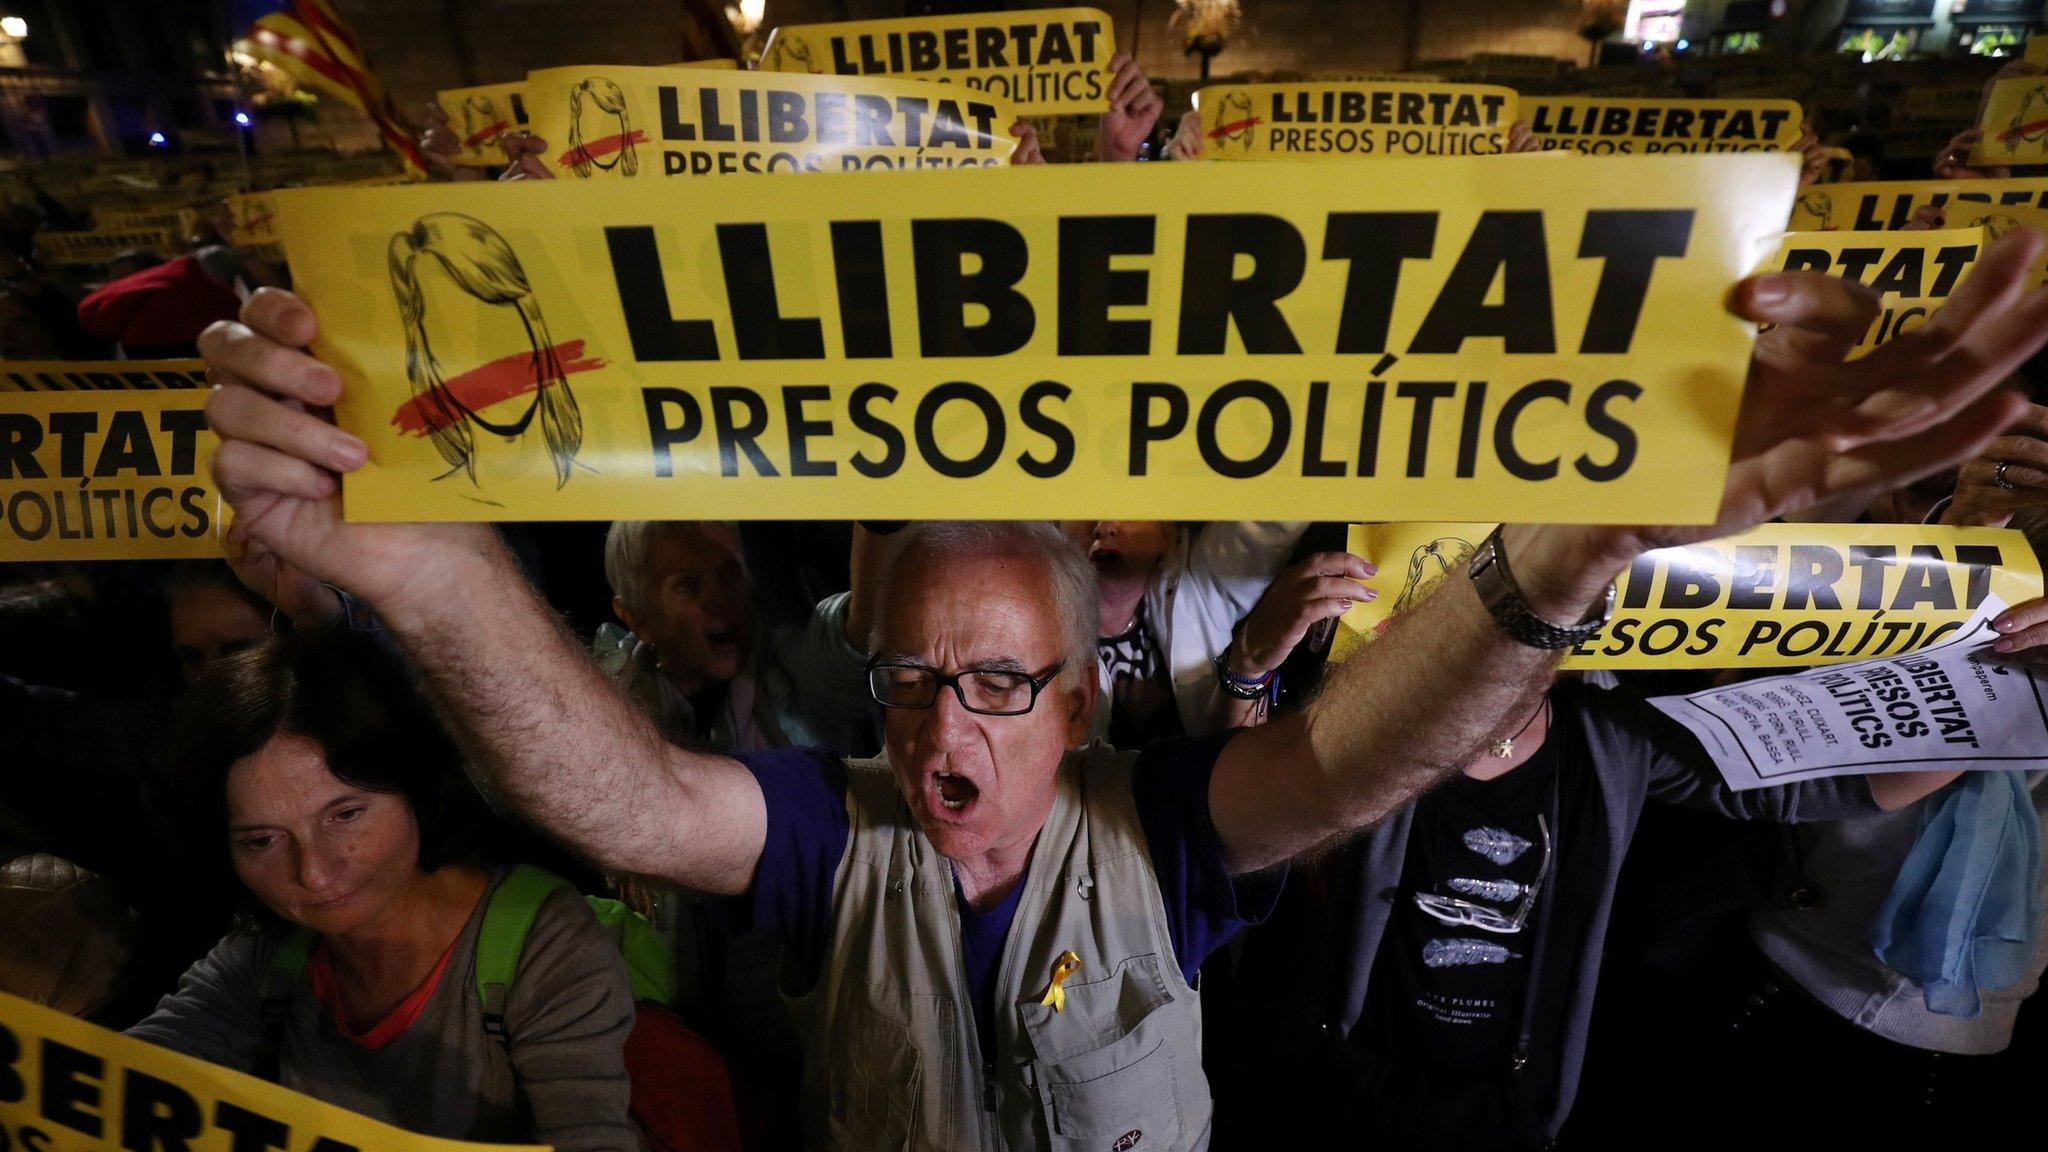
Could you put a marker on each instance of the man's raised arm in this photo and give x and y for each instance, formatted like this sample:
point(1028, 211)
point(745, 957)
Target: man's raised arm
point(1424, 699)
point(546, 734)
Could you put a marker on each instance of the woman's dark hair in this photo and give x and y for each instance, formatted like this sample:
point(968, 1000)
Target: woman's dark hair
point(357, 703)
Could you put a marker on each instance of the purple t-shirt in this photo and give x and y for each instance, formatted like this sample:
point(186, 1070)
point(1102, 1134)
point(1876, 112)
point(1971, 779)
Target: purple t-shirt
point(807, 829)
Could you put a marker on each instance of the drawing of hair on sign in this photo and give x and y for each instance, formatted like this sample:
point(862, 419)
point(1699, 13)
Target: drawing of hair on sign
point(2029, 123)
point(790, 54)
point(1429, 566)
point(1995, 224)
point(1821, 207)
point(1234, 120)
point(481, 122)
point(607, 152)
point(484, 267)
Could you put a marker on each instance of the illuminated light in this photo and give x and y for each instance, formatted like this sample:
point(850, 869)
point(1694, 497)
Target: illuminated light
point(1682, 45)
point(156, 140)
point(242, 118)
point(14, 27)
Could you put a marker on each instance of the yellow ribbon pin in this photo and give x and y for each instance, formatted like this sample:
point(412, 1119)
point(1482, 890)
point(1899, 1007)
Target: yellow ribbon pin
point(1065, 966)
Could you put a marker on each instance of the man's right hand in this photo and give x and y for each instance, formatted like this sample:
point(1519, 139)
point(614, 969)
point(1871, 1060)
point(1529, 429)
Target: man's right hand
point(279, 460)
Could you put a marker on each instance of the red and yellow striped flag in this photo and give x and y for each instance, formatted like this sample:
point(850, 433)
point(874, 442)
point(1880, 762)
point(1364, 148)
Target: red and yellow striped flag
point(309, 40)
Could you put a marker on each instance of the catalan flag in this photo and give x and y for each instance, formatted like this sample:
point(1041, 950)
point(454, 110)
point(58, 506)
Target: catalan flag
point(309, 40)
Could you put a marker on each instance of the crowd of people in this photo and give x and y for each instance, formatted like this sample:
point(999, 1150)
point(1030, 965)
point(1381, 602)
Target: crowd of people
point(978, 834)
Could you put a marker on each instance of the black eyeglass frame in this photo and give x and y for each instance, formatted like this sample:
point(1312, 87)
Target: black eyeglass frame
point(944, 680)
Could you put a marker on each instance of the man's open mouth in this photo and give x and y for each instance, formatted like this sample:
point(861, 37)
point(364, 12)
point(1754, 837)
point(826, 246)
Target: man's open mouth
point(955, 792)
point(722, 637)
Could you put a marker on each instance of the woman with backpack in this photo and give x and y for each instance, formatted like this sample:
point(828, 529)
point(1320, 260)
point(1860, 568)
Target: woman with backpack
point(314, 770)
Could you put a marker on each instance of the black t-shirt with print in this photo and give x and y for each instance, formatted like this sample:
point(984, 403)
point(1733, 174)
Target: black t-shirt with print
point(1450, 995)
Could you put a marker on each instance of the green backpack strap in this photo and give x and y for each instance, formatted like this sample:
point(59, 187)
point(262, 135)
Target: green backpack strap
point(287, 967)
point(650, 957)
point(507, 921)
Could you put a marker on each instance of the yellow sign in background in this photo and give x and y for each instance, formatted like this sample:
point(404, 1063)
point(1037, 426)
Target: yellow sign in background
point(1914, 273)
point(99, 375)
point(1880, 205)
point(70, 1086)
point(1354, 119)
point(2015, 123)
point(1263, 341)
point(683, 121)
point(1613, 125)
point(1777, 595)
point(1043, 62)
point(479, 116)
point(118, 475)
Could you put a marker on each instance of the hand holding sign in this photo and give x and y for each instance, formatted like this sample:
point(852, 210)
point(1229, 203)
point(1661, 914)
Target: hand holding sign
point(1815, 427)
point(276, 465)
point(1134, 107)
point(2011, 473)
point(1319, 588)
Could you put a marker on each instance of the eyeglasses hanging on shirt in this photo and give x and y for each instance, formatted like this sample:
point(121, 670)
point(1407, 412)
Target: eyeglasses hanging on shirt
point(1485, 917)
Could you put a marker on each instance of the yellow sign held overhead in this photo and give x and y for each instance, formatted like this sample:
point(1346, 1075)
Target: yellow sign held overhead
point(1883, 205)
point(1775, 596)
point(479, 116)
point(1043, 62)
point(117, 475)
point(1543, 340)
point(1377, 119)
point(70, 1086)
point(1608, 125)
point(684, 121)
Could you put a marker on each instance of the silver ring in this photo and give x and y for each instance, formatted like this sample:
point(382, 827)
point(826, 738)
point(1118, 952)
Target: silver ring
point(1998, 479)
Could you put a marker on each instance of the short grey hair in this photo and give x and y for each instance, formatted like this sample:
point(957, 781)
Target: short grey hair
point(625, 557)
point(1067, 570)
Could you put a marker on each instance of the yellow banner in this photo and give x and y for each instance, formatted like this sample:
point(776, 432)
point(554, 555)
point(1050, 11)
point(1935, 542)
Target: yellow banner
point(626, 121)
point(1883, 205)
point(100, 375)
point(1913, 272)
point(1604, 125)
point(70, 1086)
point(1777, 595)
point(1043, 62)
point(1267, 121)
point(479, 116)
point(118, 475)
point(2015, 123)
point(100, 247)
point(1542, 341)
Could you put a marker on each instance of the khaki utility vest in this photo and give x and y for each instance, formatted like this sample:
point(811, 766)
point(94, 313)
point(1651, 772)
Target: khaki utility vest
point(892, 1056)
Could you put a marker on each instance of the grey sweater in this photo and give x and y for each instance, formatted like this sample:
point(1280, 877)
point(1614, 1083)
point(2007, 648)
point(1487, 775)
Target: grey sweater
point(1826, 949)
point(1637, 754)
point(560, 1080)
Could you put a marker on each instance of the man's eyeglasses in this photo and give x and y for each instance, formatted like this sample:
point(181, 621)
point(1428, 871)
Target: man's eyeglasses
point(1465, 913)
point(983, 691)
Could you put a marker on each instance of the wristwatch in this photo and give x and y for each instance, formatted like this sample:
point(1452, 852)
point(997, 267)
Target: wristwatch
point(1503, 598)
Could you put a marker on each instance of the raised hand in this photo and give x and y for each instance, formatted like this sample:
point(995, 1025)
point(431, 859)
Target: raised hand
point(1319, 588)
point(279, 460)
point(1134, 108)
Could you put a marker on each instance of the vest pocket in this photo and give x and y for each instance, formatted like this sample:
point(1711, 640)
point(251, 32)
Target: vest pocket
point(1105, 1066)
point(875, 1080)
point(1132, 1098)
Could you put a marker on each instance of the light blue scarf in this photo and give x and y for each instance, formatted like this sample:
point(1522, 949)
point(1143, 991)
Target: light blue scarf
point(1962, 914)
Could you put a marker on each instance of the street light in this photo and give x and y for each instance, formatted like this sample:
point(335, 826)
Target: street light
point(746, 15)
point(13, 27)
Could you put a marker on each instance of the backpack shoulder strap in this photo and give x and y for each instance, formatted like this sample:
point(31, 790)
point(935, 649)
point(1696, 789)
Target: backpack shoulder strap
point(508, 918)
point(286, 968)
